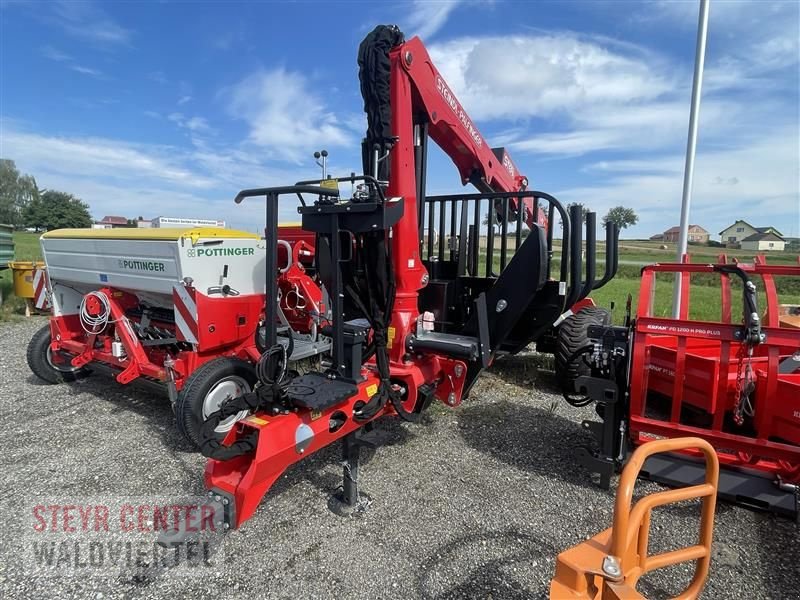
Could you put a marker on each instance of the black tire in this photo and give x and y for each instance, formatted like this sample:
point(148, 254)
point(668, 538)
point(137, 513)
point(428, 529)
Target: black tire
point(40, 360)
point(221, 376)
point(572, 336)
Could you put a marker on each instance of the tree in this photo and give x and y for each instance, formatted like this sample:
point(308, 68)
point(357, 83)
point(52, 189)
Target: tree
point(56, 210)
point(498, 225)
point(584, 210)
point(623, 217)
point(35, 215)
point(16, 193)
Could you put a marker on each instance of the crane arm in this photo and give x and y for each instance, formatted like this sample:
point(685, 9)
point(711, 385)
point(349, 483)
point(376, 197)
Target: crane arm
point(453, 130)
point(449, 125)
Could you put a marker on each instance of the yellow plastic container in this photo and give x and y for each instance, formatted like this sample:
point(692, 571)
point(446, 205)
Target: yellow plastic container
point(22, 275)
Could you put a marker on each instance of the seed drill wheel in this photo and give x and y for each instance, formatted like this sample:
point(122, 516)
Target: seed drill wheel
point(206, 389)
point(572, 338)
point(52, 367)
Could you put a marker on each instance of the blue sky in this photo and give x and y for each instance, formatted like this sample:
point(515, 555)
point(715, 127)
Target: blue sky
point(170, 108)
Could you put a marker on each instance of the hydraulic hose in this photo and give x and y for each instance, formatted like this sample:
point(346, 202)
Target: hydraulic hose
point(271, 370)
point(578, 401)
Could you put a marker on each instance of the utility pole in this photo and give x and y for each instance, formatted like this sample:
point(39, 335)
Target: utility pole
point(691, 146)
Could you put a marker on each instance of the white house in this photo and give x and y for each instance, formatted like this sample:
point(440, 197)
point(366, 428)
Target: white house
point(763, 241)
point(735, 233)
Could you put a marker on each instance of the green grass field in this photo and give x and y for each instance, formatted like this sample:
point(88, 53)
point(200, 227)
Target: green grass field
point(26, 247)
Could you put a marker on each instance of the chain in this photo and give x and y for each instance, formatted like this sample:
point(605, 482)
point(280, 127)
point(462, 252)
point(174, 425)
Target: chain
point(744, 385)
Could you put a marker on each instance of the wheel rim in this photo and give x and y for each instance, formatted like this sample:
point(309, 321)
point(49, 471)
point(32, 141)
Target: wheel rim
point(229, 387)
point(64, 367)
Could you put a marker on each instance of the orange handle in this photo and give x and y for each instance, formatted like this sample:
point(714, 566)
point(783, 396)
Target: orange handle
point(631, 526)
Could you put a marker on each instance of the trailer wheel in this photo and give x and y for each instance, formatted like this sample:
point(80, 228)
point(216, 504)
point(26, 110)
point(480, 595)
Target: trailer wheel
point(572, 337)
point(206, 389)
point(49, 366)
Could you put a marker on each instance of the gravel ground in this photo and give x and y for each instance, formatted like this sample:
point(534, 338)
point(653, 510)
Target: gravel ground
point(476, 502)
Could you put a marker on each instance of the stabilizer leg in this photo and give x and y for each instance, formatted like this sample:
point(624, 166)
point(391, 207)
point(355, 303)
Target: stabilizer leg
point(348, 500)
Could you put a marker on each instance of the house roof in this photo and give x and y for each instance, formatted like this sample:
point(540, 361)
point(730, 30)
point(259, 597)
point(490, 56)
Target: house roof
point(763, 237)
point(736, 223)
point(758, 229)
point(767, 229)
point(111, 219)
point(677, 229)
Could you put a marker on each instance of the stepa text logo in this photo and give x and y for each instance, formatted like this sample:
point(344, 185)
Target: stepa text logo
point(141, 265)
point(192, 252)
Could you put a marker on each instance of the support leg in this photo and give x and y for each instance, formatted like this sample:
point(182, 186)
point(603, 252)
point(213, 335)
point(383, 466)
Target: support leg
point(352, 454)
point(349, 500)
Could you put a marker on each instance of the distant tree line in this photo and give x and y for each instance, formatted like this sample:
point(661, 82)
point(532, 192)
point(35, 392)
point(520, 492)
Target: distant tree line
point(24, 205)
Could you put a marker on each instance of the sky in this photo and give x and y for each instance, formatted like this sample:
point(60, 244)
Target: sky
point(170, 108)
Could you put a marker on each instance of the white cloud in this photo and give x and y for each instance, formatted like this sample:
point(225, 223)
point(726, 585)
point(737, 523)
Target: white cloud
point(563, 95)
point(515, 77)
point(117, 177)
point(55, 54)
point(88, 21)
point(586, 93)
point(426, 17)
point(286, 118)
point(97, 157)
point(193, 124)
point(86, 71)
point(645, 126)
point(184, 99)
point(745, 39)
point(757, 181)
point(197, 124)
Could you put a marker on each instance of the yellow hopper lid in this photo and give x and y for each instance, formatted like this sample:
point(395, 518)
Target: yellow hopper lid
point(154, 233)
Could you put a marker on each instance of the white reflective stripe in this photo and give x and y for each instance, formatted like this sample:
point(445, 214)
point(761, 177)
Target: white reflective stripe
point(41, 299)
point(184, 328)
point(187, 300)
point(40, 288)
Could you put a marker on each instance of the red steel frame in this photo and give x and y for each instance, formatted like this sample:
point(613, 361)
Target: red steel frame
point(775, 445)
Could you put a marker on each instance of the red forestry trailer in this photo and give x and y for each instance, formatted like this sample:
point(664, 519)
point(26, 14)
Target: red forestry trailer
point(412, 320)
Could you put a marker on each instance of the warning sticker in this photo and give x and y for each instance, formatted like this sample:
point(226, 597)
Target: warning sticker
point(372, 390)
point(256, 421)
point(329, 183)
point(390, 333)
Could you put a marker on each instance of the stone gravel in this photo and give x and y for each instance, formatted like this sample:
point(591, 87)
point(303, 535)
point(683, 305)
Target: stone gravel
point(476, 502)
